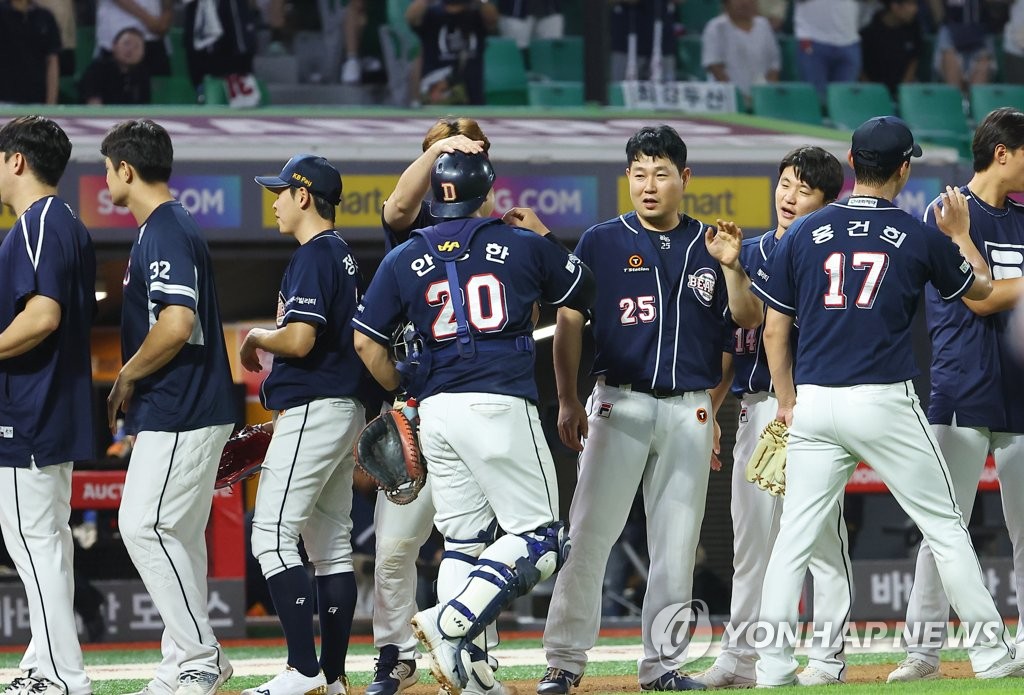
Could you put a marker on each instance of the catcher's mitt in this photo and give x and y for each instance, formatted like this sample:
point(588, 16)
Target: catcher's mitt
point(387, 450)
point(767, 467)
point(243, 455)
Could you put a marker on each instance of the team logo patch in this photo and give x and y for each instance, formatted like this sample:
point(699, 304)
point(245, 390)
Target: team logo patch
point(448, 192)
point(604, 410)
point(743, 414)
point(702, 415)
point(635, 261)
point(280, 309)
point(702, 282)
point(449, 245)
point(7, 431)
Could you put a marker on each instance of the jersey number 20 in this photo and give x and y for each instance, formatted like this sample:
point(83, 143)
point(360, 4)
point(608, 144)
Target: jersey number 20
point(485, 305)
point(874, 262)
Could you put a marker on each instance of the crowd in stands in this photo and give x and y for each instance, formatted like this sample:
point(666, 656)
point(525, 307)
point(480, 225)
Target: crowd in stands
point(129, 51)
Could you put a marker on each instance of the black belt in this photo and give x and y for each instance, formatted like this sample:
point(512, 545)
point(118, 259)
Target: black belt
point(643, 388)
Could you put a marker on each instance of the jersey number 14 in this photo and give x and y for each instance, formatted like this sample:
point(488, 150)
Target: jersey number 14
point(875, 263)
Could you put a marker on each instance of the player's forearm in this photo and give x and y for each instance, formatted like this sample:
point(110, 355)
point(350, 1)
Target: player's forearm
point(779, 351)
point(293, 341)
point(39, 318)
point(719, 393)
point(746, 309)
point(982, 286)
point(163, 342)
point(566, 352)
point(403, 205)
point(1005, 295)
point(134, 9)
point(378, 362)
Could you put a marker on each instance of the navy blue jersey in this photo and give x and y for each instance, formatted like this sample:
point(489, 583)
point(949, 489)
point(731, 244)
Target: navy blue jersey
point(320, 287)
point(46, 393)
point(505, 271)
point(657, 324)
point(750, 363)
point(170, 264)
point(853, 272)
point(393, 237)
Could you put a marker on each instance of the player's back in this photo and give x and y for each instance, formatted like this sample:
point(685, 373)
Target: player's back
point(856, 271)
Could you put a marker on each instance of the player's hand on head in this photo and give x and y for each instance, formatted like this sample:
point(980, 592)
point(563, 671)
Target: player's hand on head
point(460, 143)
point(952, 215)
point(572, 424)
point(525, 218)
point(724, 242)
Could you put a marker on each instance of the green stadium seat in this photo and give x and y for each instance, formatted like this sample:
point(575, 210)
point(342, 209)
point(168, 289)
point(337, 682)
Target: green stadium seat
point(852, 103)
point(504, 73)
point(67, 90)
point(788, 50)
point(179, 65)
point(565, 93)
point(986, 98)
point(85, 47)
point(935, 113)
point(615, 96)
point(694, 14)
point(558, 59)
point(789, 101)
point(689, 52)
point(172, 90)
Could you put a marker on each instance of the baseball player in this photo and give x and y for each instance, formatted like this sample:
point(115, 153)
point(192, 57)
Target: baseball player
point(976, 405)
point(306, 482)
point(809, 178)
point(401, 530)
point(175, 392)
point(479, 430)
point(853, 272)
point(47, 304)
point(659, 323)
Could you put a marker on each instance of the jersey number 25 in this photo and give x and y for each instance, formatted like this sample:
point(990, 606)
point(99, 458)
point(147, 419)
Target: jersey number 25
point(485, 305)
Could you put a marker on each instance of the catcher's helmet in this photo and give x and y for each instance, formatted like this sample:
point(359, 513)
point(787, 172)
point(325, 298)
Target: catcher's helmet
point(460, 183)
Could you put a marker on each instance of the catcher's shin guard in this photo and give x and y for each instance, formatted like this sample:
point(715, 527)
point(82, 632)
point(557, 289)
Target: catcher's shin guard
point(508, 569)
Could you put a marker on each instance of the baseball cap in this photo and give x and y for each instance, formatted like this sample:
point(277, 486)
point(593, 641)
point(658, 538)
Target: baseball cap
point(460, 183)
point(884, 141)
point(307, 171)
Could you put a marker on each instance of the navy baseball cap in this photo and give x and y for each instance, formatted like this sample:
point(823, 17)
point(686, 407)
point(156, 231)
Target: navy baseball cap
point(884, 141)
point(460, 183)
point(307, 171)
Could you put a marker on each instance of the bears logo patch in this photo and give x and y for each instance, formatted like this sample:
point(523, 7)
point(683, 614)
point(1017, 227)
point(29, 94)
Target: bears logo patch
point(702, 282)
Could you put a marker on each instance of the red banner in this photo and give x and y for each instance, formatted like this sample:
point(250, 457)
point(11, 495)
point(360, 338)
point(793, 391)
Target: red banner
point(864, 479)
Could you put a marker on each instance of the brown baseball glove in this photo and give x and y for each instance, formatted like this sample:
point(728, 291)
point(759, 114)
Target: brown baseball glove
point(387, 450)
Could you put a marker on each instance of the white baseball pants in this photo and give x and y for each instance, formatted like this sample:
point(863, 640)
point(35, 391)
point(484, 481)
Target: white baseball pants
point(883, 424)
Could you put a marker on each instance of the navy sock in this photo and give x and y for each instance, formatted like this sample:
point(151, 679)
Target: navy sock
point(336, 598)
point(293, 599)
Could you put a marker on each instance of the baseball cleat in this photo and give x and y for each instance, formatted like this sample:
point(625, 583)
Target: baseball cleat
point(1011, 668)
point(291, 682)
point(19, 686)
point(340, 686)
point(443, 652)
point(811, 676)
point(558, 681)
point(201, 682)
point(391, 675)
point(673, 680)
point(717, 677)
point(42, 686)
point(913, 669)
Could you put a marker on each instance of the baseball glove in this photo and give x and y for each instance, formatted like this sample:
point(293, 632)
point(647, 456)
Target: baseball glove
point(243, 455)
point(767, 467)
point(387, 451)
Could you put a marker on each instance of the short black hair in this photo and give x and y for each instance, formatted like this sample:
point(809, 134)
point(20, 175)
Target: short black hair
point(817, 167)
point(144, 145)
point(323, 208)
point(874, 175)
point(44, 145)
point(657, 141)
point(1004, 126)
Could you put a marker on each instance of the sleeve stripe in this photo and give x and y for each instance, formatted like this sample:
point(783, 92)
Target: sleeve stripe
point(579, 274)
point(184, 290)
point(770, 298)
point(306, 313)
point(376, 333)
point(963, 288)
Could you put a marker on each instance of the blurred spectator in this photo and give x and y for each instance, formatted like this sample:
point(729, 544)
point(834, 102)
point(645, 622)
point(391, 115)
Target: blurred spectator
point(29, 50)
point(964, 50)
point(891, 44)
point(634, 24)
point(120, 78)
point(151, 17)
point(274, 17)
point(355, 22)
point(525, 20)
point(775, 11)
point(1013, 45)
point(64, 13)
point(452, 34)
point(219, 38)
point(740, 47)
point(829, 45)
